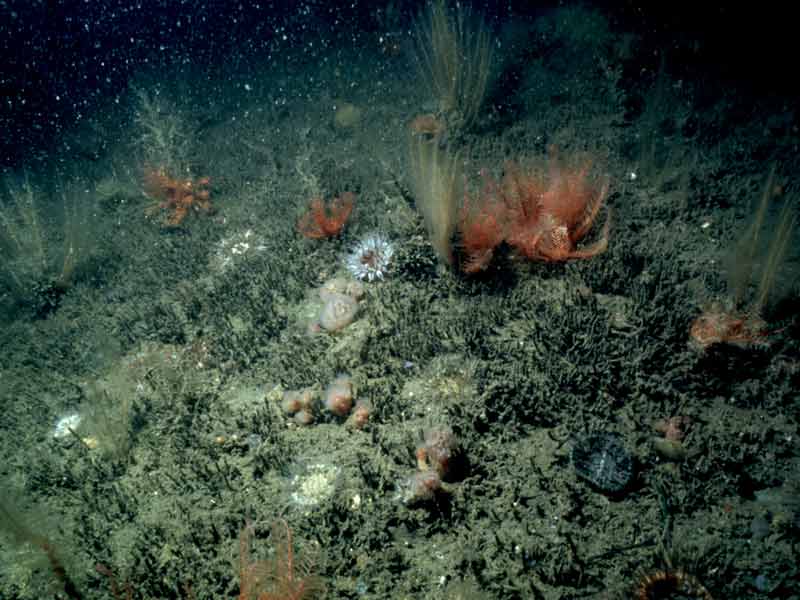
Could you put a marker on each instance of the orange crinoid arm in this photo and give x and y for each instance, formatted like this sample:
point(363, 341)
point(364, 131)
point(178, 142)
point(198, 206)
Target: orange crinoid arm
point(326, 220)
point(482, 225)
point(175, 196)
point(552, 213)
point(284, 576)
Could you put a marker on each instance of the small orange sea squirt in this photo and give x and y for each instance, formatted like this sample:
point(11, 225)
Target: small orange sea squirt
point(338, 397)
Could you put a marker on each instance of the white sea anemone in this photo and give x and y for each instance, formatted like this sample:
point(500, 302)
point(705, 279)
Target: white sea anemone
point(370, 258)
